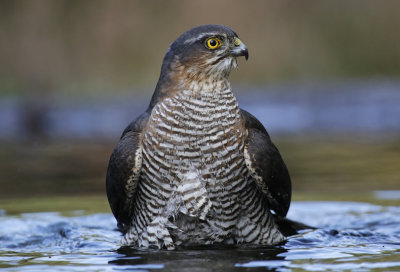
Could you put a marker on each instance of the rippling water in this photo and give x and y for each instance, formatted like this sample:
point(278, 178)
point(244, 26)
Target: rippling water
point(350, 236)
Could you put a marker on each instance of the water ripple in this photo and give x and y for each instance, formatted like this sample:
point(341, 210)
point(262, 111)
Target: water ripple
point(349, 236)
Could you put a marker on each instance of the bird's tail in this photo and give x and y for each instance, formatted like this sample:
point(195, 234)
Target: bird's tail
point(290, 227)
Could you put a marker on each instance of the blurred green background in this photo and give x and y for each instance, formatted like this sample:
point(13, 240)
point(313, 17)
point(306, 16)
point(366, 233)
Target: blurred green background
point(102, 58)
point(106, 46)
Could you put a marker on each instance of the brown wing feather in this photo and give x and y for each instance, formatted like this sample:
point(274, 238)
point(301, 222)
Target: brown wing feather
point(267, 166)
point(123, 172)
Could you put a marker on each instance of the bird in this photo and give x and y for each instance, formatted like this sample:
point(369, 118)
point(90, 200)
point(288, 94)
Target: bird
point(195, 168)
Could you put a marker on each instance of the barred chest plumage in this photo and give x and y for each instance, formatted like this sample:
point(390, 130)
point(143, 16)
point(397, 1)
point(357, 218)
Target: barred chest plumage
point(195, 185)
point(194, 134)
point(198, 136)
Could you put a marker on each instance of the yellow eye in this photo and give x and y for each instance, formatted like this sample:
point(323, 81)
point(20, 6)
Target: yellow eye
point(213, 43)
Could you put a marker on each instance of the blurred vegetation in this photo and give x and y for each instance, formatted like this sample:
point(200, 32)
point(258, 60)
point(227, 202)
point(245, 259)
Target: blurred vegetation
point(72, 46)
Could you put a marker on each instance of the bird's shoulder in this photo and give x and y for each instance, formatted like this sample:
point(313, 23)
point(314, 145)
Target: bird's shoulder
point(252, 123)
point(137, 125)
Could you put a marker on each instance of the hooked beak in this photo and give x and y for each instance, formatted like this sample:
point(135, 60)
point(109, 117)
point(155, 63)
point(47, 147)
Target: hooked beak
point(240, 49)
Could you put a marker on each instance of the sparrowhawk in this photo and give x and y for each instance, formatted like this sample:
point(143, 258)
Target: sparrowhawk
point(195, 169)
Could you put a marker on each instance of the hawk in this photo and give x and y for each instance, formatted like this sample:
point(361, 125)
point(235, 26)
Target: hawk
point(195, 169)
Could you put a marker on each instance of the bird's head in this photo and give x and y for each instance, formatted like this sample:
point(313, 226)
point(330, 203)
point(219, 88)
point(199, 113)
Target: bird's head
point(207, 50)
point(202, 55)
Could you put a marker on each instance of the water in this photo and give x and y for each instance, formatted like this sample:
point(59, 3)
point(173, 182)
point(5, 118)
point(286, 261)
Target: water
point(350, 236)
point(343, 106)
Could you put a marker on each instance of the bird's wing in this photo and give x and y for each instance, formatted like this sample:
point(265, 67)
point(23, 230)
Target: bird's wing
point(267, 166)
point(123, 172)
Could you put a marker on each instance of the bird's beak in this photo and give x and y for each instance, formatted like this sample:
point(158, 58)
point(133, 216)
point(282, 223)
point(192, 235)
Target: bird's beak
point(240, 49)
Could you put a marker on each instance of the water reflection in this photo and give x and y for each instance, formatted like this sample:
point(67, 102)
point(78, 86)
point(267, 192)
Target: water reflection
point(201, 259)
point(387, 194)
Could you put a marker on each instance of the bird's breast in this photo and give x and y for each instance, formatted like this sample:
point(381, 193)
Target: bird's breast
point(195, 132)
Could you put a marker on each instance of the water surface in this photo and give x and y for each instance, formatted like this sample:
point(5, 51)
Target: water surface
point(350, 236)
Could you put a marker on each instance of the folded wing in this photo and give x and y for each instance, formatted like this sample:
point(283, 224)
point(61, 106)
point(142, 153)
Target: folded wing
point(267, 166)
point(123, 173)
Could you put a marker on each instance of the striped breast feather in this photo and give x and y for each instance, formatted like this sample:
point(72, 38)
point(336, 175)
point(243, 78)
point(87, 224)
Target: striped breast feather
point(193, 194)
